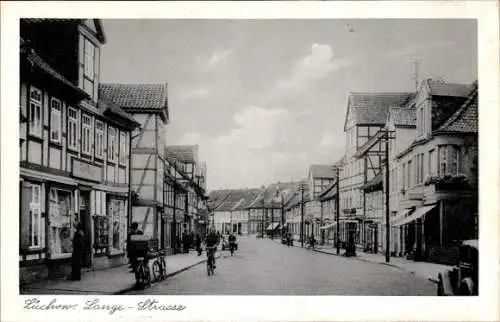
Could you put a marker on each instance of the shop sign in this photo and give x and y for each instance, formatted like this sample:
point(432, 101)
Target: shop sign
point(86, 171)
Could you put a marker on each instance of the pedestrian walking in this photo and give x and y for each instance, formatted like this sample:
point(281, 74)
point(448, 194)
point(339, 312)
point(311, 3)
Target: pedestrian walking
point(198, 244)
point(77, 255)
point(185, 242)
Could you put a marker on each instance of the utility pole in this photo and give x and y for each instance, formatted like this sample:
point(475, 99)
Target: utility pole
point(282, 216)
point(301, 215)
point(262, 218)
point(337, 211)
point(387, 214)
point(416, 63)
point(272, 221)
point(174, 223)
point(322, 231)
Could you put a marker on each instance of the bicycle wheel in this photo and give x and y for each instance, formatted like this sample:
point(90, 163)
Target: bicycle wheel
point(147, 274)
point(139, 274)
point(157, 271)
point(209, 268)
point(163, 266)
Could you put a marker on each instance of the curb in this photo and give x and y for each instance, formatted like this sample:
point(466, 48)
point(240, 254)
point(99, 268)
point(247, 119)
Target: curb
point(133, 288)
point(433, 280)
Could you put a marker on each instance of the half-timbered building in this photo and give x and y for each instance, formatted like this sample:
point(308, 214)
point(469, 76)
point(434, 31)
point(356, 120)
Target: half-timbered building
point(366, 114)
point(148, 104)
point(74, 151)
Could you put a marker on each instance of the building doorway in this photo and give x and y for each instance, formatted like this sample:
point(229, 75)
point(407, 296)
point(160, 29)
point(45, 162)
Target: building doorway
point(86, 227)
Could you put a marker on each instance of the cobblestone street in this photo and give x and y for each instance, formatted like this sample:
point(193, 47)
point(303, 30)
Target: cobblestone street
point(264, 267)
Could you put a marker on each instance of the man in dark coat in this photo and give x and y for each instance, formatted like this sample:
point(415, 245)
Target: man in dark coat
point(77, 255)
point(132, 256)
point(185, 242)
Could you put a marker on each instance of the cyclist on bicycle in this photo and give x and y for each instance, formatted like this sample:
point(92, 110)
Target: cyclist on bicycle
point(232, 241)
point(212, 240)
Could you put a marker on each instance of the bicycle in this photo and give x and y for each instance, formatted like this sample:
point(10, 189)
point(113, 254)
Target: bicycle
point(210, 260)
point(160, 267)
point(142, 272)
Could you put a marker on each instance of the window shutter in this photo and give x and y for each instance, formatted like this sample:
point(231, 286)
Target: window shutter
point(96, 73)
point(80, 61)
point(24, 224)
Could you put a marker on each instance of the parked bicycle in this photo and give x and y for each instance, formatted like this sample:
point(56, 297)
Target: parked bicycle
point(159, 267)
point(142, 272)
point(210, 260)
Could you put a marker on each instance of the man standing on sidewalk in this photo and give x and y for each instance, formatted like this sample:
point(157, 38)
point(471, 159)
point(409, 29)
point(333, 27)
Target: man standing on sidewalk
point(77, 255)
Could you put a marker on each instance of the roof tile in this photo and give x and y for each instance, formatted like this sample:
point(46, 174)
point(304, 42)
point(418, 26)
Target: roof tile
point(183, 153)
point(372, 108)
point(322, 171)
point(465, 119)
point(136, 96)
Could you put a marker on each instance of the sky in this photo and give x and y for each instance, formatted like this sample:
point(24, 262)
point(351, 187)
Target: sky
point(265, 99)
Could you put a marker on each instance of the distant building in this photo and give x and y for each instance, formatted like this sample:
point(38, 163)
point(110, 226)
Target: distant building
point(320, 176)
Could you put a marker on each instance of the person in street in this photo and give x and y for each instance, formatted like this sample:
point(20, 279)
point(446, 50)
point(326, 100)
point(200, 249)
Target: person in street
point(290, 240)
point(198, 244)
point(212, 240)
point(185, 242)
point(232, 241)
point(312, 241)
point(77, 255)
point(132, 256)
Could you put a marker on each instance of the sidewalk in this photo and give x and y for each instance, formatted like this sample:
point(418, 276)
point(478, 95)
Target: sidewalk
point(425, 270)
point(116, 280)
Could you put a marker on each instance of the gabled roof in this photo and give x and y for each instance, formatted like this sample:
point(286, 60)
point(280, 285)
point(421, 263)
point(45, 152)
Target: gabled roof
point(329, 192)
point(322, 171)
point(98, 24)
point(183, 153)
point(33, 58)
point(403, 116)
point(110, 108)
point(232, 199)
point(372, 108)
point(137, 97)
point(441, 88)
point(465, 119)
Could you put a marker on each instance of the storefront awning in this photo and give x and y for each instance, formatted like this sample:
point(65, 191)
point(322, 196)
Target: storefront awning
point(401, 215)
point(417, 214)
point(273, 226)
point(328, 226)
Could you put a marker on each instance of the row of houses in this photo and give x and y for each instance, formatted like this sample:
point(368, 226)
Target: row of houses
point(95, 154)
point(428, 139)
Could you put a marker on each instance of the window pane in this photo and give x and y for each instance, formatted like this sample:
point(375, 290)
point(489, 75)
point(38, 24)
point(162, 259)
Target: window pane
point(88, 87)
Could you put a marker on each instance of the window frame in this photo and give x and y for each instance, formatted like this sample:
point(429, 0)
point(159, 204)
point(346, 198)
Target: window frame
point(442, 161)
point(111, 150)
point(35, 207)
point(72, 122)
point(99, 132)
point(123, 148)
point(38, 105)
point(455, 160)
point(55, 111)
point(88, 140)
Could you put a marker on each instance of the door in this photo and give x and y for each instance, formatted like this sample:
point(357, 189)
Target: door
point(86, 226)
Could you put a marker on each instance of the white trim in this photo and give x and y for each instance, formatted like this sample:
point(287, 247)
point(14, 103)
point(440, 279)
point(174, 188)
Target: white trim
point(55, 110)
point(47, 176)
point(60, 256)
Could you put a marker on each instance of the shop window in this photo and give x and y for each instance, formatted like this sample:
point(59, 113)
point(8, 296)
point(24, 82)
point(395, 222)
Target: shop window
point(36, 226)
point(72, 128)
point(35, 112)
point(116, 213)
point(101, 230)
point(61, 223)
point(99, 139)
point(55, 120)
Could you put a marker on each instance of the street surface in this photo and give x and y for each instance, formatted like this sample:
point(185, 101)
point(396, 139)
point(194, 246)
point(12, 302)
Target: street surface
point(264, 267)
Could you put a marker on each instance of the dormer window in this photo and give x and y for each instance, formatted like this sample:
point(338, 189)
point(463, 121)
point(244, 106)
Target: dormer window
point(89, 67)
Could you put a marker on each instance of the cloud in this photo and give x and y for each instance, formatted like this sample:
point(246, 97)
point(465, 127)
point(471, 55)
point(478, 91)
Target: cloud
point(414, 49)
point(218, 57)
point(317, 65)
point(194, 93)
point(257, 128)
